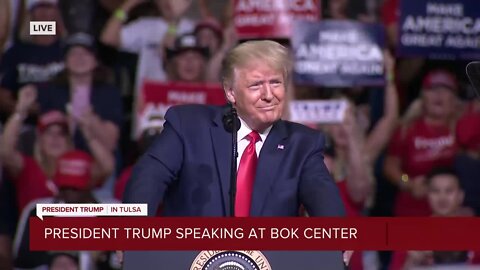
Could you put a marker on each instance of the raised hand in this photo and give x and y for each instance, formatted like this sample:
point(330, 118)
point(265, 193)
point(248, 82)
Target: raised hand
point(230, 36)
point(26, 98)
point(86, 123)
point(389, 62)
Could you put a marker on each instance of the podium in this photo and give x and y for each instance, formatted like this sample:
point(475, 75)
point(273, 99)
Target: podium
point(213, 260)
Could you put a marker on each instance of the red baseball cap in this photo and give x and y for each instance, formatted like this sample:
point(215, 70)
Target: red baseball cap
point(74, 170)
point(440, 78)
point(210, 23)
point(52, 118)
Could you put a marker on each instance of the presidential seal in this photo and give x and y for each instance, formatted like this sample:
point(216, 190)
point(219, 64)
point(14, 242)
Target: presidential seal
point(230, 260)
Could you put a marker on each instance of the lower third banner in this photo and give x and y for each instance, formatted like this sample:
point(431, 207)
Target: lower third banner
point(147, 233)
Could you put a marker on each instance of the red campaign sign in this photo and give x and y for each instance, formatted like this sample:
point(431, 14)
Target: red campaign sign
point(183, 93)
point(272, 18)
point(148, 233)
point(157, 97)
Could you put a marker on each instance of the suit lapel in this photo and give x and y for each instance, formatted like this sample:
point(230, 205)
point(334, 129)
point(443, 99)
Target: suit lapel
point(222, 144)
point(268, 165)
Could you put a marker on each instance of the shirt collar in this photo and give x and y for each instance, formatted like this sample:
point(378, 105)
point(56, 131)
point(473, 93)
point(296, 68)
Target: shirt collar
point(245, 130)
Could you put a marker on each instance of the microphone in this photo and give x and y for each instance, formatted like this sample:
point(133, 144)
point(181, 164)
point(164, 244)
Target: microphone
point(230, 119)
point(473, 73)
point(231, 123)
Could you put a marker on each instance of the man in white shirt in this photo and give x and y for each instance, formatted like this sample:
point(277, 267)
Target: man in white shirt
point(146, 36)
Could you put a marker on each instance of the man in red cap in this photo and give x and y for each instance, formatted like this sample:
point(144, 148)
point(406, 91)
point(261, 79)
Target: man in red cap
point(73, 177)
point(427, 142)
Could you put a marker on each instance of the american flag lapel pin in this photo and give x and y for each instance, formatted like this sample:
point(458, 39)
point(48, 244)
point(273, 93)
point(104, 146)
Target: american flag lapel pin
point(280, 146)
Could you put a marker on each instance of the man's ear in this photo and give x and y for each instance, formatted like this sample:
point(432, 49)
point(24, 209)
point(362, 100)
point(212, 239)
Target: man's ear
point(229, 93)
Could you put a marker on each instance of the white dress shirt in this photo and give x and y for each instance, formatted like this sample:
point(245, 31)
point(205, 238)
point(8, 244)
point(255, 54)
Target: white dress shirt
point(242, 140)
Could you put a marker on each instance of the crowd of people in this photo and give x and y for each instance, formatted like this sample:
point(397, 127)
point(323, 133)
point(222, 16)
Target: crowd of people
point(67, 103)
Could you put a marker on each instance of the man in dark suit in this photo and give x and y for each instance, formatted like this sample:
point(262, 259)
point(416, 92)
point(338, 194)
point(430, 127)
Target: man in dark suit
point(280, 164)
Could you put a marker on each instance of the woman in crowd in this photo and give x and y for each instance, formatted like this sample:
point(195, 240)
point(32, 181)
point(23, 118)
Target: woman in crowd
point(32, 175)
point(342, 156)
point(357, 149)
point(351, 152)
point(83, 92)
point(423, 143)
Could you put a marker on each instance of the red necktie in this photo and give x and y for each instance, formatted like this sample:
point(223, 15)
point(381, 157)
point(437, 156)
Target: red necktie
point(246, 177)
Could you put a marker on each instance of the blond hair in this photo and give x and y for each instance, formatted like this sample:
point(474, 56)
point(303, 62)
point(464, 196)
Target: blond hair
point(46, 164)
point(270, 52)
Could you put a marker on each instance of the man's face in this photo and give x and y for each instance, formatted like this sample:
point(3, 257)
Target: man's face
point(190, 66)
point(258, 93)
point(444, 195)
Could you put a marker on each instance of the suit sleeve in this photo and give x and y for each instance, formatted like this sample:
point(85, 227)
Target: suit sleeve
point(158, 167)
point(318, 191)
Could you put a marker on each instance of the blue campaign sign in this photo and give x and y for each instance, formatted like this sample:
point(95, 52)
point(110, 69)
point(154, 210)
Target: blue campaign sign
point(442, 29)
point(338, 53)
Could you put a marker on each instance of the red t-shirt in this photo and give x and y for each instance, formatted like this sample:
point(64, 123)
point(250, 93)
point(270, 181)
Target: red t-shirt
point(352, 209)
point(421, 148)
point(32, 183)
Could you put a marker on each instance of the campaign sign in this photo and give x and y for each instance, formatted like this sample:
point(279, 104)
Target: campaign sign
point(272, 18)
point(330, 111)
point(157, 97)
point(442, 29)
point(338, 53)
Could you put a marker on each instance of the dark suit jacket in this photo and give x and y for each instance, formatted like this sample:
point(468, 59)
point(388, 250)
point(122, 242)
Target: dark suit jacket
point(188, 169)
